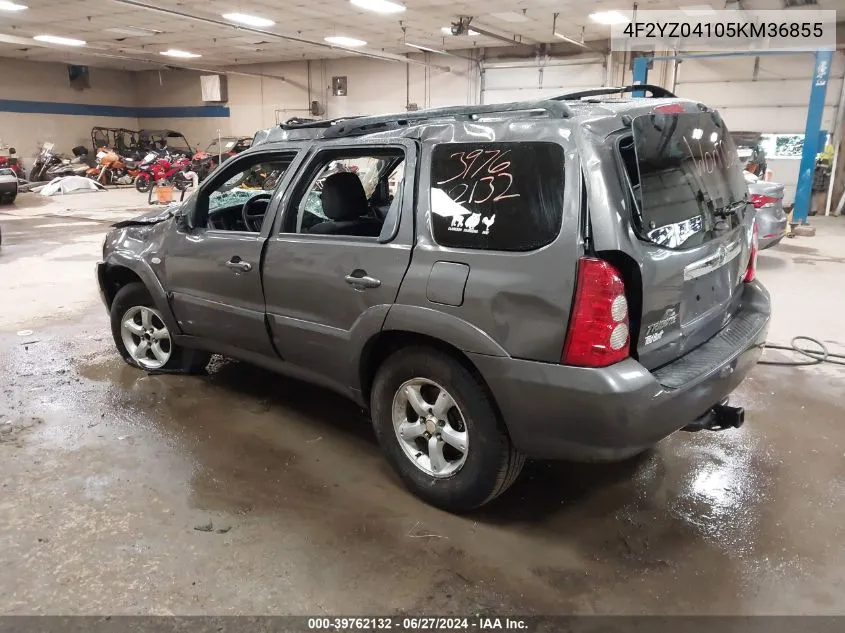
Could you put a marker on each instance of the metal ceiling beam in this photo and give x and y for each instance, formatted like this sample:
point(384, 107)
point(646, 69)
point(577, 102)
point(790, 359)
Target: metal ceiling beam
point(289, 38)
point(93, 51)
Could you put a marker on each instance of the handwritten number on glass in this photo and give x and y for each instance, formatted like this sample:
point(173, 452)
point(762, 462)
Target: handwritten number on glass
point(484, 175)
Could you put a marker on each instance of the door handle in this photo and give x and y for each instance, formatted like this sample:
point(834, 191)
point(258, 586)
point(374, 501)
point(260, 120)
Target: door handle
point(360, 281)
point(236, 263)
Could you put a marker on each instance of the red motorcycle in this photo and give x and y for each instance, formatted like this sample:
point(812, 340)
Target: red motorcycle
point(164, 169)
point(11, 161)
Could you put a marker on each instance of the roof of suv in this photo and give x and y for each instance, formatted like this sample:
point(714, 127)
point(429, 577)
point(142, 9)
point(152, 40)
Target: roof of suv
point(575, 107)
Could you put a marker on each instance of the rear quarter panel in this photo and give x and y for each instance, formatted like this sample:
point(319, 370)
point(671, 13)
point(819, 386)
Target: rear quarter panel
point(516, 302)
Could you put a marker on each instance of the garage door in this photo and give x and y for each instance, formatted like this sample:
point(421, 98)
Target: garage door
point(505, 82)
point(771, 99)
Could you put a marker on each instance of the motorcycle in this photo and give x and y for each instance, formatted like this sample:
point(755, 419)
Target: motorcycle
point(76, 166)
point(46, 159)
point(11, 162)
point(202, 163)
point(162, 168)
point(112, 169)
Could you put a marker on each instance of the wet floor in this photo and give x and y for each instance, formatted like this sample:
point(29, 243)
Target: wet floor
point(245, 492)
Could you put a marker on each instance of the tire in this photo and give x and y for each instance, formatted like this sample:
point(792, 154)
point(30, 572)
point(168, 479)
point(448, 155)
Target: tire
point(143, 183)
point(133, 301)
point(490, 463)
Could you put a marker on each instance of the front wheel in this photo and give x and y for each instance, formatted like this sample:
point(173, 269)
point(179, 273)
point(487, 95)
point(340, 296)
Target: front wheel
point(142, 337)
point(143, 183)
point(438, 426)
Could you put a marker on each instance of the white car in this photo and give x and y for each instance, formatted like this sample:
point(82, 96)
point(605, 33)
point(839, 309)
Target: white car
point(8, 186)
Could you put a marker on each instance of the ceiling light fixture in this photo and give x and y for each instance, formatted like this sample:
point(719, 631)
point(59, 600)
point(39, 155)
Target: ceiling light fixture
point(447, 30)
point(341, 40)
point(248, 20)
point(608, 18)
point(570, 40)
point(175, 52)
point(62, 41)
point(379, 6)
point(5, 5)
point(133, 31)
point(426, 48)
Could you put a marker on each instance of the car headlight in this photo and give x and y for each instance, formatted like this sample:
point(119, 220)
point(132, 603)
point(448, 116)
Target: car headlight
point(105, 241)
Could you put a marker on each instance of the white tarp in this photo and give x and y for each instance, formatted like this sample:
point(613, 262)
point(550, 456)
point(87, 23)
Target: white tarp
point(70, 184)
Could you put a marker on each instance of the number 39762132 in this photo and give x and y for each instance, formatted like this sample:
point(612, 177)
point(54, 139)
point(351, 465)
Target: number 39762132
point(484, 176)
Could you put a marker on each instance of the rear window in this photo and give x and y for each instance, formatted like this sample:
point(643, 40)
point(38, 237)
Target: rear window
point(686, 178)
point(496, 196)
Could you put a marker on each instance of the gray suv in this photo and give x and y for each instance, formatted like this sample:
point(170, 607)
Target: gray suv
point(570, 278)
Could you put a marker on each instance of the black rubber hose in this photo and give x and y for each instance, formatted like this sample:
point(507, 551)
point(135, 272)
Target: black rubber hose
point(816, 356)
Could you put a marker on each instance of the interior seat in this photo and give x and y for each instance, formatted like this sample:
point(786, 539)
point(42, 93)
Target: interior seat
point(345, 204)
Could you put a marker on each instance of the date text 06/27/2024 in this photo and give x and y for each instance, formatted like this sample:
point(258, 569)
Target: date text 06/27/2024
point(397, 623)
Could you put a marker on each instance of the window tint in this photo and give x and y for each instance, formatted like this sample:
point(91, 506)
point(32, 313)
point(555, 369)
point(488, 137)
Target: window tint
point(496, 196)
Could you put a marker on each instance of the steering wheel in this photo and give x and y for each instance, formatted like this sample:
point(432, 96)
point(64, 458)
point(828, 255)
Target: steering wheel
point(254, 218)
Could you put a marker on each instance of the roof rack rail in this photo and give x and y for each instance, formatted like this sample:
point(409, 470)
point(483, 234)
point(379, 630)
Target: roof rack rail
point(297, 123)
point(358, 126)
point(656, 92)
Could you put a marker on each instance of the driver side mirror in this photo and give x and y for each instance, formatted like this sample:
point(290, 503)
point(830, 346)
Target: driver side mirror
point(182, 221)
point(183, 217)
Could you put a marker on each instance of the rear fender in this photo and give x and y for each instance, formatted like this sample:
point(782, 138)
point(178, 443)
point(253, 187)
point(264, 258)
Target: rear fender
point(444, 327)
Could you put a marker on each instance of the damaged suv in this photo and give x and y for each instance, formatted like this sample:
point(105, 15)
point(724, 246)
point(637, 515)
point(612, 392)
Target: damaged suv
point(567, 278)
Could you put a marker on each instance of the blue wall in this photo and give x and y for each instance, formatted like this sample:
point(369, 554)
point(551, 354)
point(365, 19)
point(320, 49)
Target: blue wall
point(86, 109)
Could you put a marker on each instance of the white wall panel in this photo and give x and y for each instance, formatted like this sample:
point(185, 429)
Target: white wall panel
point(519, 83)
point(48, 82)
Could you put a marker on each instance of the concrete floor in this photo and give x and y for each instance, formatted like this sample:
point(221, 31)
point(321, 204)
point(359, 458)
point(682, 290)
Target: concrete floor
point(106, 473)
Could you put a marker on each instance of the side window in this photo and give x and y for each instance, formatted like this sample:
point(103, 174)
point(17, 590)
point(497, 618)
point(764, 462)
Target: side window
point(237, 199)
point(497, 196)
point(350, 193)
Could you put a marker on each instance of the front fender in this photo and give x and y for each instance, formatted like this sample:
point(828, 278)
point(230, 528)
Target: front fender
point(134, 264)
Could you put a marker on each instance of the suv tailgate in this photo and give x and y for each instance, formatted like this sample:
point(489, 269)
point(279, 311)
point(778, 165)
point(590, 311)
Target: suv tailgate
point(693, 222)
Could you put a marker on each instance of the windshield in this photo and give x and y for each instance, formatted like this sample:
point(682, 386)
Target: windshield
point(689, 187)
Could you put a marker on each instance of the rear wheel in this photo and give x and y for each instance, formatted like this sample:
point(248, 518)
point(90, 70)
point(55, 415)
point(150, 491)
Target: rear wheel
point(142, 336)
point(440, 431)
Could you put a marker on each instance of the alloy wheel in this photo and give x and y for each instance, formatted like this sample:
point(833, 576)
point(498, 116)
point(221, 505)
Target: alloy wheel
point(430, 427)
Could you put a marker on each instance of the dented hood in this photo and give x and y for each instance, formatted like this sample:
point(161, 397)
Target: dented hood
point(151, 217)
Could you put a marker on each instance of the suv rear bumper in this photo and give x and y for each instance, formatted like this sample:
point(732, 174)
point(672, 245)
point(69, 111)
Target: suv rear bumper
point(611, 413)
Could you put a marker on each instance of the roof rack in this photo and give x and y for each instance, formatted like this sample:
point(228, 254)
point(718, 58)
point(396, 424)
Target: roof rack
point(656, 92)
point(358, 126)
point(297, 123)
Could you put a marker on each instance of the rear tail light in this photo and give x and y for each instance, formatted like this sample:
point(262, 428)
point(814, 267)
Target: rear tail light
point(598, 333)
point(671, 108)
point(759, 201)
point(751, 270)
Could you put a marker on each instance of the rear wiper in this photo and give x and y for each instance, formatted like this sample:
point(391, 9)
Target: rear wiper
point(731, 209)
